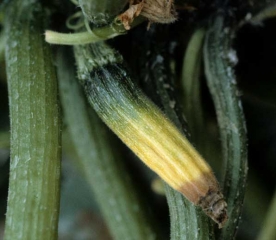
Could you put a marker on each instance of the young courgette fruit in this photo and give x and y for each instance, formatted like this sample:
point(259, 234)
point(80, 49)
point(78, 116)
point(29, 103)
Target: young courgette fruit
point(145, 129)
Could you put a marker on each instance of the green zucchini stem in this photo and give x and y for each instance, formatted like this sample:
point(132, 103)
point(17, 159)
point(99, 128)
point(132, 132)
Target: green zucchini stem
point(73, 38)
point(91, 36)
point(34, 183)
point(219, 60)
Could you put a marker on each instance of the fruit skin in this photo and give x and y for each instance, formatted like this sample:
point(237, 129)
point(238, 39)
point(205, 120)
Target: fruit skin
point(145, 129)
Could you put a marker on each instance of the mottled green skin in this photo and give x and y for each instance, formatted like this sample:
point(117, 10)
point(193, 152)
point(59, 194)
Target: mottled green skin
point(117, 100)
point(108, 86)
point(121, 98)
point(103, 11)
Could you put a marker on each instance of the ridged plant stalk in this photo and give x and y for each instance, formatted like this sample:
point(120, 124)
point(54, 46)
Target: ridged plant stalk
point(186, 220)
point(219, 60)
point(102, 164)
point(34, 184)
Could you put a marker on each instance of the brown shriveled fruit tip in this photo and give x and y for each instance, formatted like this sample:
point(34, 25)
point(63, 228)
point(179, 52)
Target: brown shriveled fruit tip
point(214, 205)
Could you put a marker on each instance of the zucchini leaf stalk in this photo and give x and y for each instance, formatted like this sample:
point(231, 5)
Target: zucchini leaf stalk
point(34, 184)
point(100, 19)
point(145, 129)
point(219, 60)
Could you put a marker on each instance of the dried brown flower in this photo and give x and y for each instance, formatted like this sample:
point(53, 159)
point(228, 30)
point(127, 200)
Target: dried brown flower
point(157, 11)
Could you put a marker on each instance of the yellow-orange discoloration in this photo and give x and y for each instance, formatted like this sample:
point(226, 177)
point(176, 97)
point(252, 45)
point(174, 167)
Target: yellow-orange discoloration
point(195, 189)
point(205, 192)
point(164, 149)
point(157, 142)
point(133, 11)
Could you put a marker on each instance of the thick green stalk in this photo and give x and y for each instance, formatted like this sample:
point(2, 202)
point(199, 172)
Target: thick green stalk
point(219, 59)
point(33, 199)
point(268, 231)
point(120, 203)
point(97, 34)
point(187, 222)
point(111, 30)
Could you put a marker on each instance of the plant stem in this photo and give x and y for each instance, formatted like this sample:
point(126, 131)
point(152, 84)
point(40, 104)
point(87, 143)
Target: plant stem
point(121, 205)
point(112, 30)
point(33, 199)
point(219, 59)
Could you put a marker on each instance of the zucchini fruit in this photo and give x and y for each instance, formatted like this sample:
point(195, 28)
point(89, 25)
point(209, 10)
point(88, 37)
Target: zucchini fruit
point(145, 129)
